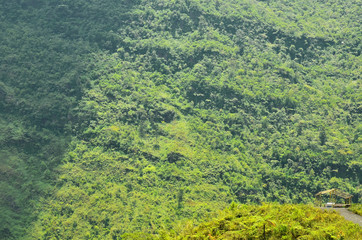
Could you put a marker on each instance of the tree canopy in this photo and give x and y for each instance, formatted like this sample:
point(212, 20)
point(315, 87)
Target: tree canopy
point(126, 119)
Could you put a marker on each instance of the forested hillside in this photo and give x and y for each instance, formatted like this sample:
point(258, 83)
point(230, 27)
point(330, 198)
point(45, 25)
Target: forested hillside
point(126, 119)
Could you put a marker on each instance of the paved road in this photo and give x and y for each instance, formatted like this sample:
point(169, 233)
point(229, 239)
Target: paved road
point(348, 215)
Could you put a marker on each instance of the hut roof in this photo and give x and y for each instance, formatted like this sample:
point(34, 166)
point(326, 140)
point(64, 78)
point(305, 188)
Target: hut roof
point(337, 192)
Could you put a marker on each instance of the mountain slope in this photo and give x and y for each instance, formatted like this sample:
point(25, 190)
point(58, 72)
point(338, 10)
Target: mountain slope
point(177, 108)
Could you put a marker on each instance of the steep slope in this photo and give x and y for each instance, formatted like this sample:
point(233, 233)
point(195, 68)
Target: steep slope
point(207, 103)
point(178, 108)
point(42, 77)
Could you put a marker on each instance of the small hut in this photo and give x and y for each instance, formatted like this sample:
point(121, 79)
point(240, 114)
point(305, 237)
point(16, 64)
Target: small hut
point(333, 194)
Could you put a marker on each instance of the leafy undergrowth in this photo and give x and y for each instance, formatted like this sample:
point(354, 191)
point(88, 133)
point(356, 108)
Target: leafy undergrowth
point(356, 208)
point(274, 221)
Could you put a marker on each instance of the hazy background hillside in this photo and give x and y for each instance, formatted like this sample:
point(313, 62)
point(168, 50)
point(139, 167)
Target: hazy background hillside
point(123, 118)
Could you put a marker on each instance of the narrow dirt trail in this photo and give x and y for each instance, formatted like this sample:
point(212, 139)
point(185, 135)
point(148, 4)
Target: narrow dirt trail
point(348, 215)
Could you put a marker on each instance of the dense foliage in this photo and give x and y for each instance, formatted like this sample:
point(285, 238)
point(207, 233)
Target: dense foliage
point(126, 118)
point(271, 221)
point(356, 208)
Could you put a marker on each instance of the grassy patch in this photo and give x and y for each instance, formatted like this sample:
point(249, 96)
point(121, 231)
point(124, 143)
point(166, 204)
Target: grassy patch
point(274, 221)
point(356, 208)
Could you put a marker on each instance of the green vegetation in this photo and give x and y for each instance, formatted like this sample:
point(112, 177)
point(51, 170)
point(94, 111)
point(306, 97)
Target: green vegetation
point(356, 208)
point(126, 119)
point(272, 221)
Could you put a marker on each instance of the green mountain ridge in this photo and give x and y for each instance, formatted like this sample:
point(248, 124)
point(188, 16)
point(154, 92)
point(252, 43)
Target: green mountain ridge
point(120, 117)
